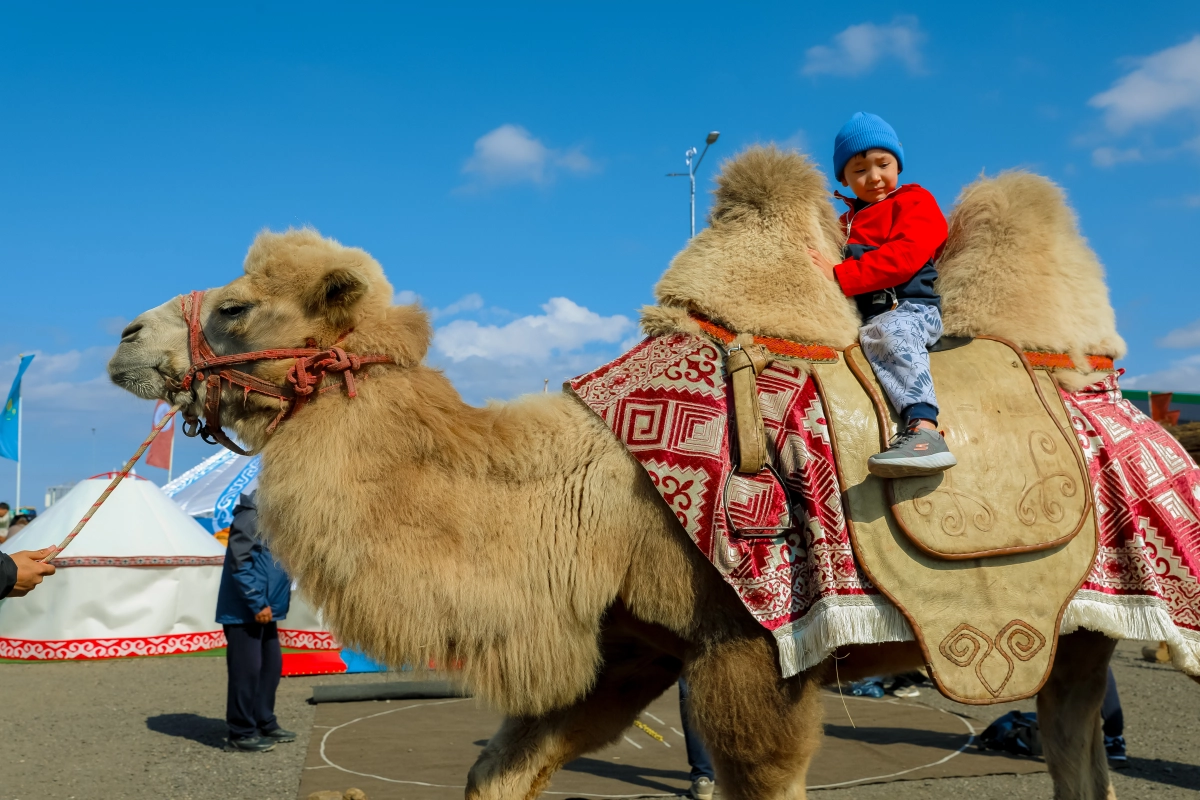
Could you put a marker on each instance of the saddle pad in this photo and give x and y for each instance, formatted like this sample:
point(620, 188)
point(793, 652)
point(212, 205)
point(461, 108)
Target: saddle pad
point(988, 627)
point(1020, 484)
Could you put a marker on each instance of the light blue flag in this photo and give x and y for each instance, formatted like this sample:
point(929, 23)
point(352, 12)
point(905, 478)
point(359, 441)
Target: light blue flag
point(8, 420)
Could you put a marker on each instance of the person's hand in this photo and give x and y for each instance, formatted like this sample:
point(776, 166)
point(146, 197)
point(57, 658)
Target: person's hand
point(264, 616)
point(31, 570)
point(823, 264)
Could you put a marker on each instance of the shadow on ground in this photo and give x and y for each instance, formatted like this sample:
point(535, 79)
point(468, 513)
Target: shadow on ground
point(203, 730)
point(1171, 773)
point(630, 773)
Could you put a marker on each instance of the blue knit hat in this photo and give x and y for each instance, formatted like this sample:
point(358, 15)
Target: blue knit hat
point(863, 132)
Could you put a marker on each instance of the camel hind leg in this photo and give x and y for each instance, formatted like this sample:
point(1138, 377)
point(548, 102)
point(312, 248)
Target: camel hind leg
point(520, 759)
point(1069, 717)
point(762, 730)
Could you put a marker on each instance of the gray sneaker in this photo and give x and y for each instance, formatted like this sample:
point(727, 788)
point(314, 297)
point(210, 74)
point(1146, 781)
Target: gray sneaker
point(702, 789)
point(913, 452)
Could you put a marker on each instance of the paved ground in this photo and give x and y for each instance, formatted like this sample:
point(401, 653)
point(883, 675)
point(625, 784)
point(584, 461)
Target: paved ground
point(152, 728)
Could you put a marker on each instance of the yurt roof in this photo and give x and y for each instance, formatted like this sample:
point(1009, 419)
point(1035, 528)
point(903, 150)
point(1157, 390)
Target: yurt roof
point(212, 487)
point(136, 520)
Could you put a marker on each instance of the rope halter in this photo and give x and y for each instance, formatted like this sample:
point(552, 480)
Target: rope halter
point(310, 368)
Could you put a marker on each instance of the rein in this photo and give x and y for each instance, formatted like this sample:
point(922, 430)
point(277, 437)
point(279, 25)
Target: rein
point(311, 366)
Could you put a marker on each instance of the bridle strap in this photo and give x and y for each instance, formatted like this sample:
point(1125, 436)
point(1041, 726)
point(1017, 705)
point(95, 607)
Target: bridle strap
point(312, 365)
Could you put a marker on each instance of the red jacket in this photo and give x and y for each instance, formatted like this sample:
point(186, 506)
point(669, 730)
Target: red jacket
point(909, 231)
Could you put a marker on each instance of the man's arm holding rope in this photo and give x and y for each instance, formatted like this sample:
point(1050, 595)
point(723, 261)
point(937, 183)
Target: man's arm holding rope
point(22, 571)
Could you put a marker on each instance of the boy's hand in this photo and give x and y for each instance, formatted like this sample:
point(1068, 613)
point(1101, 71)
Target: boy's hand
point(823, 264)
point(31, 570)
point(264, 616)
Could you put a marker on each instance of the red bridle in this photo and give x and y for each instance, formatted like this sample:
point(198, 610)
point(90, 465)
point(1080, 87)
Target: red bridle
point(303, 379)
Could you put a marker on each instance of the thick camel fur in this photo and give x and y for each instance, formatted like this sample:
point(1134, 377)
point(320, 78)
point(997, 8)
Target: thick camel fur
point(1014, 266)
point(519, 540)
point(750, 269)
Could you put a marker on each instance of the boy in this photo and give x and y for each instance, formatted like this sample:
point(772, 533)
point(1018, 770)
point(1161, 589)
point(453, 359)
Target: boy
point(893, 236)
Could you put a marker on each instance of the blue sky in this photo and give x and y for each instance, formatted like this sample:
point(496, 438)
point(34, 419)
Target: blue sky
point(505, 163)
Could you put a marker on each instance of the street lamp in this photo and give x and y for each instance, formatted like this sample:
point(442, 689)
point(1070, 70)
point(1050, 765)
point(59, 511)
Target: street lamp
point(691, 173)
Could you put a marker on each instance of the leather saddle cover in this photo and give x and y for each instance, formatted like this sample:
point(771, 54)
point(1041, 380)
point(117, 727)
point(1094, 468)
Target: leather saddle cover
point(988, 626)
point(1020, 484)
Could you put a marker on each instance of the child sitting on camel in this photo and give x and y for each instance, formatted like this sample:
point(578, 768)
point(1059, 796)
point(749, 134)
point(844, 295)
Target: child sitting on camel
point(893, 236)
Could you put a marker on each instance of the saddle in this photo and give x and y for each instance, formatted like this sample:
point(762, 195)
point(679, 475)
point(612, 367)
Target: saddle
point(982, 559)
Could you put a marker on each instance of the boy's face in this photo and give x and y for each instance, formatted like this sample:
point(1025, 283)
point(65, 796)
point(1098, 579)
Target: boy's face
point(872, 175)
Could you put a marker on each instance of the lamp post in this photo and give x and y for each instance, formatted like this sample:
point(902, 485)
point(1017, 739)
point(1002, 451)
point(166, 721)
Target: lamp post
point(692, 167)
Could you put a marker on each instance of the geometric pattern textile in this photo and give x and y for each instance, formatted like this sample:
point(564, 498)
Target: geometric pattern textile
point(667, 401)
point(171, 644)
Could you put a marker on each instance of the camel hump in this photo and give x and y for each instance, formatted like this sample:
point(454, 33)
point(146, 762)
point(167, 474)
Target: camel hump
point(750, 270)
point(1016, 266)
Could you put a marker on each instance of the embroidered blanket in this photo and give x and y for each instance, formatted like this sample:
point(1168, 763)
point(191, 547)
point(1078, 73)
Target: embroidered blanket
point(667, 398)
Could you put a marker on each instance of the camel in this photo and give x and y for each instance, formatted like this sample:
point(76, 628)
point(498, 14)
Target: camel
point(519, 540)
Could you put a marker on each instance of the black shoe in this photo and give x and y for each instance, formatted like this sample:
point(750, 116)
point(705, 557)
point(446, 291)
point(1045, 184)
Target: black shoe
point(279, 735)
point(1114, 746)
point(251, 744)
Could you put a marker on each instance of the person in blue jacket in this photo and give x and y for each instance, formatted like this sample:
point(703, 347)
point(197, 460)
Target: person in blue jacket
point(255, 594)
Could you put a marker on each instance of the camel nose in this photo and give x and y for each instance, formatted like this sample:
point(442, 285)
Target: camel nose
point(131, 331)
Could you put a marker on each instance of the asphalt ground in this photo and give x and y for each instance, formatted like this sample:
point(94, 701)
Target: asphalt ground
point(154, 728)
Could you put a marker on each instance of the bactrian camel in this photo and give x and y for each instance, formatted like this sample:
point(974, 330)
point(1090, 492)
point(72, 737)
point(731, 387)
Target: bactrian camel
point(519, 540)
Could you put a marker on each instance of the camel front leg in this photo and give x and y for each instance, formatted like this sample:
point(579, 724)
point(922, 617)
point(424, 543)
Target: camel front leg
point(520, 759)
point(761, 729)
point(1069, 717)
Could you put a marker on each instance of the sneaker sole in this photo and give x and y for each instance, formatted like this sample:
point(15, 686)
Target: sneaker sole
point(911, 467)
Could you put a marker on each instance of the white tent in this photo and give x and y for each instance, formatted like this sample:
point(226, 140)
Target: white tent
point(140, 579)
point(209, 491)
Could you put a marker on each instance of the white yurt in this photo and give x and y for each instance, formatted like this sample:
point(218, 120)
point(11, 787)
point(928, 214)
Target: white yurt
point(140, 579)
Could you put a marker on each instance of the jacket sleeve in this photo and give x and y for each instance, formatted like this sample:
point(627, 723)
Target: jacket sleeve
point(917, 237)
point(246, 551)
point(8, 574)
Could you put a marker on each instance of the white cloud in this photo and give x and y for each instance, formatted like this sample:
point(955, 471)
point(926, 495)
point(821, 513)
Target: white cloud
point(511, 154)
point(470, 302)
point(1163, 83)
point(1187, 336)
point(859, 48)
point(565, 326)
point(1181, 376)
point(1111, 156)
point(406, 297)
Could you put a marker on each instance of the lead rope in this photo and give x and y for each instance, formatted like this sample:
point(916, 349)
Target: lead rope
point(155, 431)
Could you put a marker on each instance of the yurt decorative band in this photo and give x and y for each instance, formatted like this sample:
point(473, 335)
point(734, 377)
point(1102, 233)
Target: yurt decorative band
point(140, 561)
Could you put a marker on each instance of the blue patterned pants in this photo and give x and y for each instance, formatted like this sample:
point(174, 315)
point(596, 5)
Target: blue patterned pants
point(897, 344)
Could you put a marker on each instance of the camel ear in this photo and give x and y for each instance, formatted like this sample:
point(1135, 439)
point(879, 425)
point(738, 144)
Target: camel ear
point(336, 294)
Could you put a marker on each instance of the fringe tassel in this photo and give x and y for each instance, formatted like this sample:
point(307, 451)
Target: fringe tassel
point(836, 621)
point(1134, 617)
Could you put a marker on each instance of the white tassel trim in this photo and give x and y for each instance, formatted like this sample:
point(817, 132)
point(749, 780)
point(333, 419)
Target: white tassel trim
point(1134, 617)
point(836, 621)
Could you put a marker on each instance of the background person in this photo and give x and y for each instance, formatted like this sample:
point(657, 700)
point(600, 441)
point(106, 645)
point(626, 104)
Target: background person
point(254, 595)
point(22, 571)
point(703, 776)
point(5, 519)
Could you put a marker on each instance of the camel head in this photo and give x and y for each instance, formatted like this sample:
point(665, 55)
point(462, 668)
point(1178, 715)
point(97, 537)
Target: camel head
point(298, 288)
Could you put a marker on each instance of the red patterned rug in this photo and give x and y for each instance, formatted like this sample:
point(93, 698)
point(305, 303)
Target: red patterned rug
point(666, 400)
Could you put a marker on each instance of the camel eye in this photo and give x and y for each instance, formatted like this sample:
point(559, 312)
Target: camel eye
point(234, 310)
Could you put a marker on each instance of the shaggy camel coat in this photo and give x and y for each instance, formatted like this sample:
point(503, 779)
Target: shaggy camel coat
point(1015, 265)
point(520, 539)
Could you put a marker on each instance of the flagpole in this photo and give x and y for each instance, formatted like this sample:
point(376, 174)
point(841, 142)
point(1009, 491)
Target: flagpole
point(171, 454)
point(20, 416)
